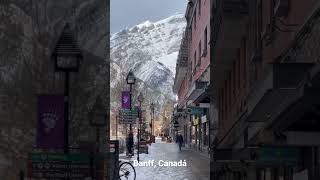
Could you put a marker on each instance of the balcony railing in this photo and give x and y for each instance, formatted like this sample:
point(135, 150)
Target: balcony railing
point(184, 48)
point(182, 60)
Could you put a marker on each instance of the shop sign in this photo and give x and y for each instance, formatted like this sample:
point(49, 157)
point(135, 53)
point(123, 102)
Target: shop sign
point(196, 110)
point(204, 119)
point(204, 105)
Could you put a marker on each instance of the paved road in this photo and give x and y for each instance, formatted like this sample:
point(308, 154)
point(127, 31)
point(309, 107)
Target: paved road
point(197, 165)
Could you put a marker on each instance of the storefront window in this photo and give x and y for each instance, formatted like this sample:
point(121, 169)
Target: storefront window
point(264, 174)
point(301, 175)
point(206, 134)
point(193, 135)
point(200, 135)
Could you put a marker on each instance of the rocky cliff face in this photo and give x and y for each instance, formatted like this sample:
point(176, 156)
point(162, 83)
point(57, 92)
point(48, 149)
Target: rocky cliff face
point(29, 31)
point(150, 50)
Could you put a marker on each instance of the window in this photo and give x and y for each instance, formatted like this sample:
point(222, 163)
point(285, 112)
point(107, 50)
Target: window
point(190, 71)
point(244, 63)
point(205, 41)
point(190, 35)
point(195, 60)
point(199, 2)
point(229, 90)
point(199, 56)
point(234, 77)
point(195, 20)
point(239, 67)
point(214, 4)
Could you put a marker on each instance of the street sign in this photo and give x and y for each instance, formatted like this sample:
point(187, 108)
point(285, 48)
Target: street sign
point(127, 116)
point(59, 166)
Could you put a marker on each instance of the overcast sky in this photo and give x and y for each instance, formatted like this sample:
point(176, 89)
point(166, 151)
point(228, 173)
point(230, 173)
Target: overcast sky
point(127, 13)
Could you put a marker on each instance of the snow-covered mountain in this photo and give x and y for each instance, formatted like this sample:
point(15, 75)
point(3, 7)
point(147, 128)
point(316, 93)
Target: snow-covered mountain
point(150, 49)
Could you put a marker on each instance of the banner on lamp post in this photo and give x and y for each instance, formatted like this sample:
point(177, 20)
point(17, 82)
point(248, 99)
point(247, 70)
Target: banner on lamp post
point(126, 100)
point(50, 125)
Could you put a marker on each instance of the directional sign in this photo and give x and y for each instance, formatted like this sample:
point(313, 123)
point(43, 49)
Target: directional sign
point(60, 166)
point(127, 116)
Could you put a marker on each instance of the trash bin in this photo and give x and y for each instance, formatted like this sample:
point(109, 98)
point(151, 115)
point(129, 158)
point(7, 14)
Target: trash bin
point(114, 159)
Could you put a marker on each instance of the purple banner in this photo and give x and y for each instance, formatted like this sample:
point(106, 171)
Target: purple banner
point(50, 127)
point(126, 100)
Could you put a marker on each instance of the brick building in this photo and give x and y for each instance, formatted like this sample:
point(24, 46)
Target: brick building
point(193, 77)
point(265, 77)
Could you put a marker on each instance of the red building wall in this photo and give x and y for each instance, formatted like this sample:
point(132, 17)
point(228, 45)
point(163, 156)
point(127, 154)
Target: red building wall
point(298, 13)
point(183, 90)
point(200, 22)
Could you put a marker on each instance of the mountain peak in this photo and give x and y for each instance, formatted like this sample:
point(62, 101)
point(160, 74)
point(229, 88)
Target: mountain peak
point(150, 49)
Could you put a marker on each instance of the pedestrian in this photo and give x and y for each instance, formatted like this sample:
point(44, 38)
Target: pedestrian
point(180, 141)
point(130, 143)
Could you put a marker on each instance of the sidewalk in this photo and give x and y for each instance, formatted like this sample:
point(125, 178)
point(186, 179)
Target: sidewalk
point(196, 164)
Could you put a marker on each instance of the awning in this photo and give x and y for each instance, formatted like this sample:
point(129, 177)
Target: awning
point(287, 86)
point(197, 89)
point(273, 103)
point(203, 98)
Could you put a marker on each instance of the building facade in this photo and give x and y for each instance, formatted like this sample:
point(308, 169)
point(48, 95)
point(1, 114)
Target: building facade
point(266, 89)
point(193, 77)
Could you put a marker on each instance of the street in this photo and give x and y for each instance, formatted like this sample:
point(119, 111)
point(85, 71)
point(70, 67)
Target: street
point(197, 165)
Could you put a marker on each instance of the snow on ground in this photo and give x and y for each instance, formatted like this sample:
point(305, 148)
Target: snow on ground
point(197, 166)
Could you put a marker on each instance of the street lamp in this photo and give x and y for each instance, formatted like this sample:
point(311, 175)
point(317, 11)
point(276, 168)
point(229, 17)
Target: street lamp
point(131, 79)
point(152, 119)
point(98, 117)
point(140, 99)
point(176, 126)
point(67, 58)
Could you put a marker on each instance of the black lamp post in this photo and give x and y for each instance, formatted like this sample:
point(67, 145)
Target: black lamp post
point(176, 126)
point(67, 57)
point(131, 79)
point(98, 117)
point(152, 117)
point(140, 99)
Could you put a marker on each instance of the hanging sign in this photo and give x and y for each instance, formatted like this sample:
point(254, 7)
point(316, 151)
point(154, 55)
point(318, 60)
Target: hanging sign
point(50, 125)
point(126, 100)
